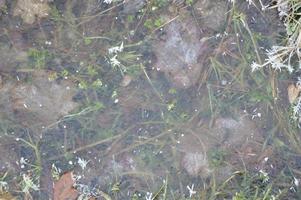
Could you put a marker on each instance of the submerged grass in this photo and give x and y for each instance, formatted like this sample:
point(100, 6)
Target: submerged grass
point(230, 87)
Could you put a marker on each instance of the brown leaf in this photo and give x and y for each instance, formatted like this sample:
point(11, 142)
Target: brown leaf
point(63, 188)
point(127, 79)
point(29, 10)
point(6, 196)
point(293, 92)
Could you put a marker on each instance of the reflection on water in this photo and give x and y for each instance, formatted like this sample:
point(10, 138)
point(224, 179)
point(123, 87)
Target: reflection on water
point(140, 100)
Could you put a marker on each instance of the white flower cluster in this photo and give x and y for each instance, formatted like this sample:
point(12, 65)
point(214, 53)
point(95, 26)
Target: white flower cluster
point(278, 58)
point(191, 190)
point(3, 186)
point(108, 1)
point(117, 49)
point(82, 163)
point(113, 57)
point(288, 56)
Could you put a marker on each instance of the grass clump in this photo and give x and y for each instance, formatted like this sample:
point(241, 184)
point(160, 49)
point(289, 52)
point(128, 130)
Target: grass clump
point(38, 58)
point(286, 56)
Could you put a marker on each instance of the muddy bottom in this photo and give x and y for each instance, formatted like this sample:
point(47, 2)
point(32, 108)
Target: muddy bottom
point(141, 100)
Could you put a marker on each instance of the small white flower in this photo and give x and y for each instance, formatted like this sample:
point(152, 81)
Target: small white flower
point(108, 1)
point(191, 191)
point(255, 66)
point(250, 2)
point(114, 50)
point(28, 184)
point(23, 162)
point(3, 186)
point(293, 189)
point(264, 175)
point(82, 163)
point(296, 182)
point(114, 62)
point(149, 196)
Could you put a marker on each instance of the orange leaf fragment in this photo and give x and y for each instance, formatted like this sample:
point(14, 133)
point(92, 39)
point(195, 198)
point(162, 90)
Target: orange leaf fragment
point(293, 92)
point(6, 196)
point(63, 188)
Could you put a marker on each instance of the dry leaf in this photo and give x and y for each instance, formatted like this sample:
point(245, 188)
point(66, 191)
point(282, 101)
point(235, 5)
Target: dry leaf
point(29, 10)
point(63, 188)
point(7, 196)
point(127, 79)
point(293, 92)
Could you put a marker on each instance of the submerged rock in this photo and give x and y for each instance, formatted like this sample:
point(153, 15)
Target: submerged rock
point(234, 132)
point(183, 50)
point(193, 149)
point(180, 55)
point(227, 135)
point(195, 163)
point(39, 102)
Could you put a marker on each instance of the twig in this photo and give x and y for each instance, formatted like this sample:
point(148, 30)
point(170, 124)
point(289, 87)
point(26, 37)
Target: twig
point(150, 82)
point(101, 13)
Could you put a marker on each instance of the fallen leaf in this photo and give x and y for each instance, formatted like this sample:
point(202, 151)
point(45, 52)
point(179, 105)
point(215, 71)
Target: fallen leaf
point(6, 196)
point(127, 79)
point(293, 92)
point(63, 188)
point(29, 10)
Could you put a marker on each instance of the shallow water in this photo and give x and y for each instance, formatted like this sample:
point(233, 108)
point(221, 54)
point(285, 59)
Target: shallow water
point(142, 100)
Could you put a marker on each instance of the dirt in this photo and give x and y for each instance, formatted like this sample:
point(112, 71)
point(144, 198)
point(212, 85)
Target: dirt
point(211, 14)
point(9, 156)
point(133, 98)
point(10, 58)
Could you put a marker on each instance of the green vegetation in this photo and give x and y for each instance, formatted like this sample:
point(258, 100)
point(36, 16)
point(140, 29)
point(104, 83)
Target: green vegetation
point(39, 58)
point(153, 24)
